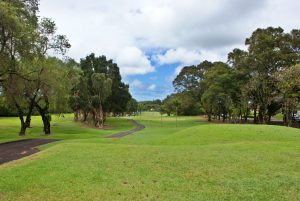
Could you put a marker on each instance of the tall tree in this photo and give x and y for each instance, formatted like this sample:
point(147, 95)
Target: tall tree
point(102, 90)
point(270, 50)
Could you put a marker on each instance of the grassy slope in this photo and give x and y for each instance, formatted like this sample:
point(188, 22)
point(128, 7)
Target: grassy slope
point(196, 161)
point(62, 128)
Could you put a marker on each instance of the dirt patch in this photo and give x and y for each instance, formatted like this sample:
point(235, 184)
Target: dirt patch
point(138, 127)
point(18, 149)
point(91, 125)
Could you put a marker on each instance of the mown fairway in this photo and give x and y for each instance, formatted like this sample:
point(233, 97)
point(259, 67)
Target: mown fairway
point(196, 161)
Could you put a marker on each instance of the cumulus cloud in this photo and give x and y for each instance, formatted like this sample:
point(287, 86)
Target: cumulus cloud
point(176, 72)
point(179, 55)
point(152, 87)
point(190, 30)
point(137, 84)
point(134, 62)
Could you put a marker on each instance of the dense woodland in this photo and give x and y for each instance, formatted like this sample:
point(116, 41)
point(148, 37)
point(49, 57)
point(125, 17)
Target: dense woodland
point(259, 82)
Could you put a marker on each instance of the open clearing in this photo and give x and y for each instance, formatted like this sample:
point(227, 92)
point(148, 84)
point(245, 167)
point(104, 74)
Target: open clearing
point(194, 161)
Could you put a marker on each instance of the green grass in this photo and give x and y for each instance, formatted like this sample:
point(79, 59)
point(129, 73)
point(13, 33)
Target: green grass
point(62, 128)
point(194, 161)
point(278, 117)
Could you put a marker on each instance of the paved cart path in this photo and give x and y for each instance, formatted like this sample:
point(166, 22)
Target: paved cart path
point(138, 127)
point(11, 151)
point(18, 149)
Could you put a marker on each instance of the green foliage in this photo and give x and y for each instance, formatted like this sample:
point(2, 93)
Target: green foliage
point(133, 106)
point(30, 78)
point(99, 91)
point(150, 105)
point(262, 79)
point(6, 110)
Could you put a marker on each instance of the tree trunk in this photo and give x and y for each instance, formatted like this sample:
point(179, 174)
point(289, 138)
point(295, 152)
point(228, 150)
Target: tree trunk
point(101, 115)
point(28, 117)
point(47, 125)
point(209, 117)
point(46, 122)
point(255, 115)
point(246, 115)
point(105, 117)
point(260, 117)
point(45, 119)
point(85, 115)
point(23, 128)
point(21, 117)
point(269, 119)
point(76, 115)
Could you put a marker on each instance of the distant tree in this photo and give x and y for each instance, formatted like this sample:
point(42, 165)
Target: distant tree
point(168, 106)
point(190, 77)
point(288, 84)
point(220, 91)
point(132, 106)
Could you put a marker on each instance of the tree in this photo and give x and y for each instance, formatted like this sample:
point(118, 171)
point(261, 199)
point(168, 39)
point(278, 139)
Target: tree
point(270, 50)
point(132, 106)
point(220, 91)
point(120, 95)
point(102, 90)
point(18, 22)
point(168, 106)
point(288, 84)
point(190, 77)
point(25, 42)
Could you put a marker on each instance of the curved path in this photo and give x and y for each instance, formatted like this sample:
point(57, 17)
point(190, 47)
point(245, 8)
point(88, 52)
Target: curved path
point(10, 151)
point(18, 149)
point(138, 127)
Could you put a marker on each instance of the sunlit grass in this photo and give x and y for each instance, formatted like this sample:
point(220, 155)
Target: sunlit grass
point(191, 161)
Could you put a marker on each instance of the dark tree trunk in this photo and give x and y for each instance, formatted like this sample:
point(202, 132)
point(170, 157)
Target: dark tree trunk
point(46, 119)
point(46, 122)
point(246, 116)
point(23, 128)
point(85, 115)
point(285, 119)
point(255, 115)
point(28, 117)
point(21, 117)
point(269, 119)
point(76, 115)
point(209, 117)
point(260, 117)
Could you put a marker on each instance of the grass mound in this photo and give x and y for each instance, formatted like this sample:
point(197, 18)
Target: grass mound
point(193, 161)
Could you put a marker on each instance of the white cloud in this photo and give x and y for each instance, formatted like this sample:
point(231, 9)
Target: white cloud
point(176, 72)
point(137, 84)
point(152, 87)
point(133, 61)
point(192, 30)
point(153, 78)
point(179, 55)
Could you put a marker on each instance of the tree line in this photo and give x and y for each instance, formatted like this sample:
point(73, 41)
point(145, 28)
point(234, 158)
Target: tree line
point(34, 82)
point(260, 81)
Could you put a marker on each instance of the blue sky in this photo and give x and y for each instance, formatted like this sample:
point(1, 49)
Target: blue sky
point(151, 40)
